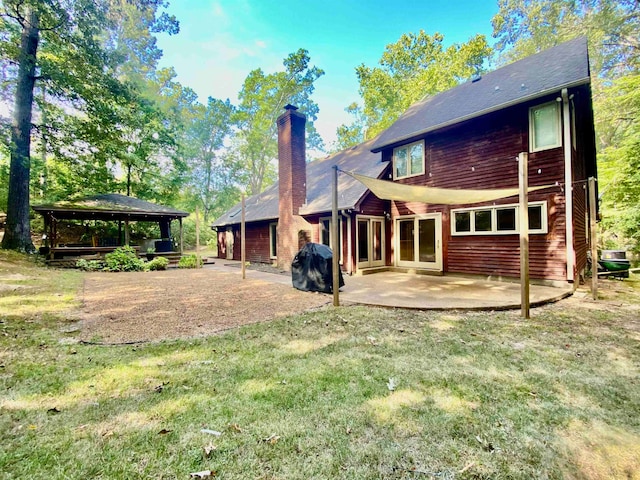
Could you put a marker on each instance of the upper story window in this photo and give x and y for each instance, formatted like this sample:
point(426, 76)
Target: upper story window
point(408, 160)
point(544, 127)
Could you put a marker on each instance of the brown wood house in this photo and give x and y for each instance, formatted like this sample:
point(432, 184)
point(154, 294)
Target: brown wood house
point(468, 137)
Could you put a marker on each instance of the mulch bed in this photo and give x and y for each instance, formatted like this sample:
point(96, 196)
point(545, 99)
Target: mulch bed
point(152, 306)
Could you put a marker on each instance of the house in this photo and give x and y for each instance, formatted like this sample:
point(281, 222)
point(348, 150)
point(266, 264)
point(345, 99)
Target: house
point(468, 137)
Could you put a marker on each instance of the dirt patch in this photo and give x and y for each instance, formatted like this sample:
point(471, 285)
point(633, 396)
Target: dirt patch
point(152, 306)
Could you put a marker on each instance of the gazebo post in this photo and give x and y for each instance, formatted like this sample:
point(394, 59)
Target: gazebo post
point(127, 234)
point(181, 237)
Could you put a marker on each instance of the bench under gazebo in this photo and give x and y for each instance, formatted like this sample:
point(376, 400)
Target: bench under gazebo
point(110, 207)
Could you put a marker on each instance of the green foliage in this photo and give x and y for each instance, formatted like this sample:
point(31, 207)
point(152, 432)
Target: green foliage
point(189, 232)
point(158, 263)
point(415, 66)
point(90, 265)
point(189, 261)
point(123, 259)
point(262, 99)
point(214, 169)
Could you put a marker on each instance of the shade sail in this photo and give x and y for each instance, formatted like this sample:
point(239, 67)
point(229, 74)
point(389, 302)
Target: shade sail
point(387, 190)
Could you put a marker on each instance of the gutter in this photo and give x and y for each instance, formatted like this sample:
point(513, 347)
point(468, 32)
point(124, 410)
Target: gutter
point(568, 186)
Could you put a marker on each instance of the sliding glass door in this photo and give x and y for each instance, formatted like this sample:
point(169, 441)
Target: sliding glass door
point(419, 241)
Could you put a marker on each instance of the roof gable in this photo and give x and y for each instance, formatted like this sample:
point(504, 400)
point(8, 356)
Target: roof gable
point(264, 206)
point(558, 67)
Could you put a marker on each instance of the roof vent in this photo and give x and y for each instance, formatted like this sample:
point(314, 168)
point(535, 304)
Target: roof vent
point(476, 78)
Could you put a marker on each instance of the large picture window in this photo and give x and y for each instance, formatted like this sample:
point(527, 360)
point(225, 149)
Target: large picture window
point(498, 220)
point(544, 127)
point(408, 160)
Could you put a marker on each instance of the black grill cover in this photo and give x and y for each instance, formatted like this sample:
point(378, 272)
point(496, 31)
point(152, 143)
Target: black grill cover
point(312, 267)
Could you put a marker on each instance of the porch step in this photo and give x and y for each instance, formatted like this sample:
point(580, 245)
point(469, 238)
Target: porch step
point(417, 271)
point(369, 271)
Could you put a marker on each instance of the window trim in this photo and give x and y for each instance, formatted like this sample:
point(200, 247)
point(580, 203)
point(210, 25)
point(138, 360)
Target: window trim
point(408, 147)
point(322, 229)
point(532, 147)
point(273, 241)
point(494, 209)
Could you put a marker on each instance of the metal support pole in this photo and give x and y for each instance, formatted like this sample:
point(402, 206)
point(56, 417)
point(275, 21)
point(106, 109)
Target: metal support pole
point(592, 237)
point(523, 178)
point(335, 238)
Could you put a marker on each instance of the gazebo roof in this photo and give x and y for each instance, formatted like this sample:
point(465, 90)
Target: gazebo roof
point(110, 206)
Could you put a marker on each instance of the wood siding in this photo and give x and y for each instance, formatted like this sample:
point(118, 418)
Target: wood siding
point(482, 154)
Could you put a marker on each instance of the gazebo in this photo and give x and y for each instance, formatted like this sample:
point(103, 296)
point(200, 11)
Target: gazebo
point(107, 207)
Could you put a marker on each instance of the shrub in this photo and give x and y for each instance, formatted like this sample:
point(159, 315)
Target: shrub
point(189, 261)
point(123, 259)
point(158, 263)
point(90, 265)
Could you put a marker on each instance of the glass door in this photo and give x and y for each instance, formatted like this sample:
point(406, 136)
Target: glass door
point(419, 241)
point(370, 241)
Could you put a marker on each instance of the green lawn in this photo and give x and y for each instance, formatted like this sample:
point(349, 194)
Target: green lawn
point(353, 392)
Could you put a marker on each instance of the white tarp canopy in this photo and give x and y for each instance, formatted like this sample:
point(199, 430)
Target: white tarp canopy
point(387, 190)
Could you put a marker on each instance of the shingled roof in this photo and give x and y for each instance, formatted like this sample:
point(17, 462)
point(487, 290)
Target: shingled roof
point(108, 206)
point(359, 159)
point(565, 65)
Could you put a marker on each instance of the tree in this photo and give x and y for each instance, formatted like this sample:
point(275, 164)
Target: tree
point(17, 230)
point(212, 171)
point(523, 27)
point(262, 99)
point(415, 66)
point(66, 47)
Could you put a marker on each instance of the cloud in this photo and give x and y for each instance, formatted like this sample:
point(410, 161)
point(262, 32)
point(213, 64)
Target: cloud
point(261, 44)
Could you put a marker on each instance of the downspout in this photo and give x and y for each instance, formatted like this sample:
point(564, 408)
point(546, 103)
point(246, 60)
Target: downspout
point(568, 186)
point(349, 251)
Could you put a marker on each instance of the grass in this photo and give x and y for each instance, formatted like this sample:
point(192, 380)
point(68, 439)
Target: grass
point(477, 395)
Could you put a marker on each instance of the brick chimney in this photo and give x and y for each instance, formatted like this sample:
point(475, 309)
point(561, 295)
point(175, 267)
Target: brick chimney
point(292, 175)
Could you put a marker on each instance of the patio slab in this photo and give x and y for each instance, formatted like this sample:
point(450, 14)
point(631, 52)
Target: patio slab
point(423, 292)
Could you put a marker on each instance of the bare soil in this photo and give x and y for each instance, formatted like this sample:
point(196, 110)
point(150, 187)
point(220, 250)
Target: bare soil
point(181, 303)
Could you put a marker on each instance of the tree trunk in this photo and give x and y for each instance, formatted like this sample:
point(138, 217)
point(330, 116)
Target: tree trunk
point(17, 235)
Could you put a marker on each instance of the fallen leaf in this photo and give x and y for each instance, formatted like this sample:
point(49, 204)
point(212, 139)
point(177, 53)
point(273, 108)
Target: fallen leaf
point(391, 384)
point(209, 449)
point(160, 387)
point(235, 427)
point(32, 427)
point(53, 410)
point(164, 431)
point(203, 474)
point(273, 439)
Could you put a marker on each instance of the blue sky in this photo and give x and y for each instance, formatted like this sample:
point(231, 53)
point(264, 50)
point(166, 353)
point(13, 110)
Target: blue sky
point(221, 41)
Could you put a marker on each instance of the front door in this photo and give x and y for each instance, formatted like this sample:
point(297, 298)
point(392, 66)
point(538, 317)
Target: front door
point(229, 242)
point(419, 241)
point(370, 241)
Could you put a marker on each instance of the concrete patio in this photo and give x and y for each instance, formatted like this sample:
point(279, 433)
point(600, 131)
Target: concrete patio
point(424, 292)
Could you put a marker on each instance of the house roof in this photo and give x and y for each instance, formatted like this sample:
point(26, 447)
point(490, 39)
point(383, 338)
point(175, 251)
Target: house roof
point(562, 66)
point(109, 206)
point(359, 159)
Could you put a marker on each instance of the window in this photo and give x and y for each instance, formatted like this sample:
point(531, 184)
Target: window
point(273, 240)
point(498, 220)
point(544, 127)
point(408, 160)
point(326, 231)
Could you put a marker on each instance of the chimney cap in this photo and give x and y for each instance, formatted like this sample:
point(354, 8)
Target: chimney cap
point(288, 106)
